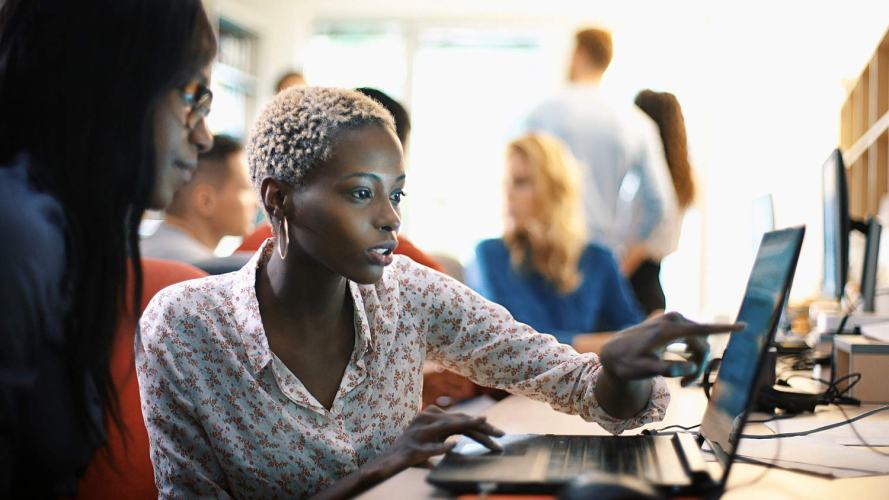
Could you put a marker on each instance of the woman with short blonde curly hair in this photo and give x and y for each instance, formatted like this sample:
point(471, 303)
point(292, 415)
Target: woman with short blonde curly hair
point(542, 269)
point(301, 373)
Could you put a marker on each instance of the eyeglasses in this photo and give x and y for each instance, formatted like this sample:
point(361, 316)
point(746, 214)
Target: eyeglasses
point(198, 97)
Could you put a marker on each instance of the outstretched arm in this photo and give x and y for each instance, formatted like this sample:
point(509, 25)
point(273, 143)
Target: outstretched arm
point(632, 357)
point(481, 340)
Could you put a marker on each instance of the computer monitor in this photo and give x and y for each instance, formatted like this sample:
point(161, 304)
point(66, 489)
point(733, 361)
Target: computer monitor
point(763, 221)
point(869, 268)
point(836, 225)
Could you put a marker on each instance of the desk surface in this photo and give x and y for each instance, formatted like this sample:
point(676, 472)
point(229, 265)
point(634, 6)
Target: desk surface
point(517, 414)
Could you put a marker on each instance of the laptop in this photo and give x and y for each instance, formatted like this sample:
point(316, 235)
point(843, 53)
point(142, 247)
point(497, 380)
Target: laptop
point(674, 463)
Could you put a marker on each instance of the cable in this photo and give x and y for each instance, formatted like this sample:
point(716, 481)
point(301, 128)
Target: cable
point(772, 418)
point(689, 428)
point(767, 466)
point(833, 394)
point(860, 438)
point(651, 432)
point(834, 425)
point(834, 382)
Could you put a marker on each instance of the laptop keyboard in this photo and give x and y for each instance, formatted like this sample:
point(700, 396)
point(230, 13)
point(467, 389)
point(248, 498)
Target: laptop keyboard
point(573, 455)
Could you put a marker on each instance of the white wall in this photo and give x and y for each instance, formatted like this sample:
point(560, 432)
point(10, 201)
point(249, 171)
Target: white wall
point(761, 84)
point(283, 26)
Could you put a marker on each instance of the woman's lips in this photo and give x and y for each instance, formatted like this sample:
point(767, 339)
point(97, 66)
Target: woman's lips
point(380, 259)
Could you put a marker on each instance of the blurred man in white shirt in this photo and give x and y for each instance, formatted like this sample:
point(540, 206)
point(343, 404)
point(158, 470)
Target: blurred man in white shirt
point(626, 182)
point(218, 201)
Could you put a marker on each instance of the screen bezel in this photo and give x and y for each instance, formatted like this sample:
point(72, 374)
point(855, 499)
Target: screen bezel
point(726, 459)
point(834, 172)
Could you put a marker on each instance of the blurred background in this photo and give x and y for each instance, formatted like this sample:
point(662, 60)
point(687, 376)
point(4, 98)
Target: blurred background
point(761, 85)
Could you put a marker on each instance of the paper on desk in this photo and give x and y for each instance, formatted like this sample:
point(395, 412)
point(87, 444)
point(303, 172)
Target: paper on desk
point(809, 455)
point(876, 331)
point(874, 429)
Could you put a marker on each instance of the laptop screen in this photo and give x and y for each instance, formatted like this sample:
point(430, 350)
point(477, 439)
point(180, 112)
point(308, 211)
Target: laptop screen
point(731, 394)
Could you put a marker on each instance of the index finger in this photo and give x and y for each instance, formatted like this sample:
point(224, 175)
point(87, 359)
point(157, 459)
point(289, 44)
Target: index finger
point(678, 330)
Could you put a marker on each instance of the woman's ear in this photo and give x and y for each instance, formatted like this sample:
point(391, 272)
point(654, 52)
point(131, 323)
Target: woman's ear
point(274, 196)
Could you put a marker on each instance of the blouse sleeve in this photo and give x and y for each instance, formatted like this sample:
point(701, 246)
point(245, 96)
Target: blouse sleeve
point(184, 463)
point(480, 340)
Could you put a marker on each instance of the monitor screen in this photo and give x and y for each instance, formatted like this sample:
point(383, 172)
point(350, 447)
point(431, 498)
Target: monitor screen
point(730, 397)
point(836, 226)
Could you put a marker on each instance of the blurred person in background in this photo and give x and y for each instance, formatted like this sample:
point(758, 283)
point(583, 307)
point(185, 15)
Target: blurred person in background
point(218, 201)
point(543, 270)
point(290, 79)
point(618, 148)
point(85, 148)
point(642, 263)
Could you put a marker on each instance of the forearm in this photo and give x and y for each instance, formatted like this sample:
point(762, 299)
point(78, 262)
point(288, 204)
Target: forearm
point(622, 399)
point(591, 342)
point(366, 477)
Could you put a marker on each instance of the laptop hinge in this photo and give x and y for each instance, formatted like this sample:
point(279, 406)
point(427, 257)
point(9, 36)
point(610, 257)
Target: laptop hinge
point(692, 459)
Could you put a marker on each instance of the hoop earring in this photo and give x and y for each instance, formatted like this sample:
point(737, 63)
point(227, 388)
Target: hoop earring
point(282, 249)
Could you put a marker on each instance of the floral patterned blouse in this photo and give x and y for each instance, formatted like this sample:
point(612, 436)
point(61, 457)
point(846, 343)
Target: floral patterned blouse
point(226, 418)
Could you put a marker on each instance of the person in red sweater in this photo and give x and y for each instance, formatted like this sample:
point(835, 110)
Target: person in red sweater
point(403, 129)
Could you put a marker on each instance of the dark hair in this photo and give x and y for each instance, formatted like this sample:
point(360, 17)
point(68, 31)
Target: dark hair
point(79, 86)
point(398, 112)
point(286, 76)
point(223, 147)
point(595, 44)
point(664, 109)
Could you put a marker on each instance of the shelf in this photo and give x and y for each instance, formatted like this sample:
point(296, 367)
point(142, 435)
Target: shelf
point(864, 134)
point(866, 140)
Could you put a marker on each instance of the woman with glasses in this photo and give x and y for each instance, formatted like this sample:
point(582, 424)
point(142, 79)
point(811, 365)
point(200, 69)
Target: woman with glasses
point(102, 107)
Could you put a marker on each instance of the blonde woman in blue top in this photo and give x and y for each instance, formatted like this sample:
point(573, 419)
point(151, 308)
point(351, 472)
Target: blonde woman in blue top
point(542, 269)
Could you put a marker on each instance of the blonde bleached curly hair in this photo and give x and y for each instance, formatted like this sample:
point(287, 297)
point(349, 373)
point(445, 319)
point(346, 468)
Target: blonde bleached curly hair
point(297, 130)
point(553, 241)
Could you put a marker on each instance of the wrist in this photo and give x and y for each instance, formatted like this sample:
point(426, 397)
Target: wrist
point(384, 466)
point(622, 398)
point(606, 361)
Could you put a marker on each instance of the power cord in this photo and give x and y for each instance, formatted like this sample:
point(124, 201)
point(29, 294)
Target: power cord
point(690, 428)
point(857, 435)
point(768, 465)
point(652, 432)
point(834, 425)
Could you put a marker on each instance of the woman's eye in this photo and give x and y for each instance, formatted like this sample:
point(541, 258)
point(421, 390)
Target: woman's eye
point(362, 194)
point(397, 196)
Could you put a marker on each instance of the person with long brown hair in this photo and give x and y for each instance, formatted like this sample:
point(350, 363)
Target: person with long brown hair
point(102, 116)
point(642, 263)
point(543, 270)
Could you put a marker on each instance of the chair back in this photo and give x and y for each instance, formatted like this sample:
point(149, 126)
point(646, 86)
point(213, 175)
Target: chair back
point(122, 468)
